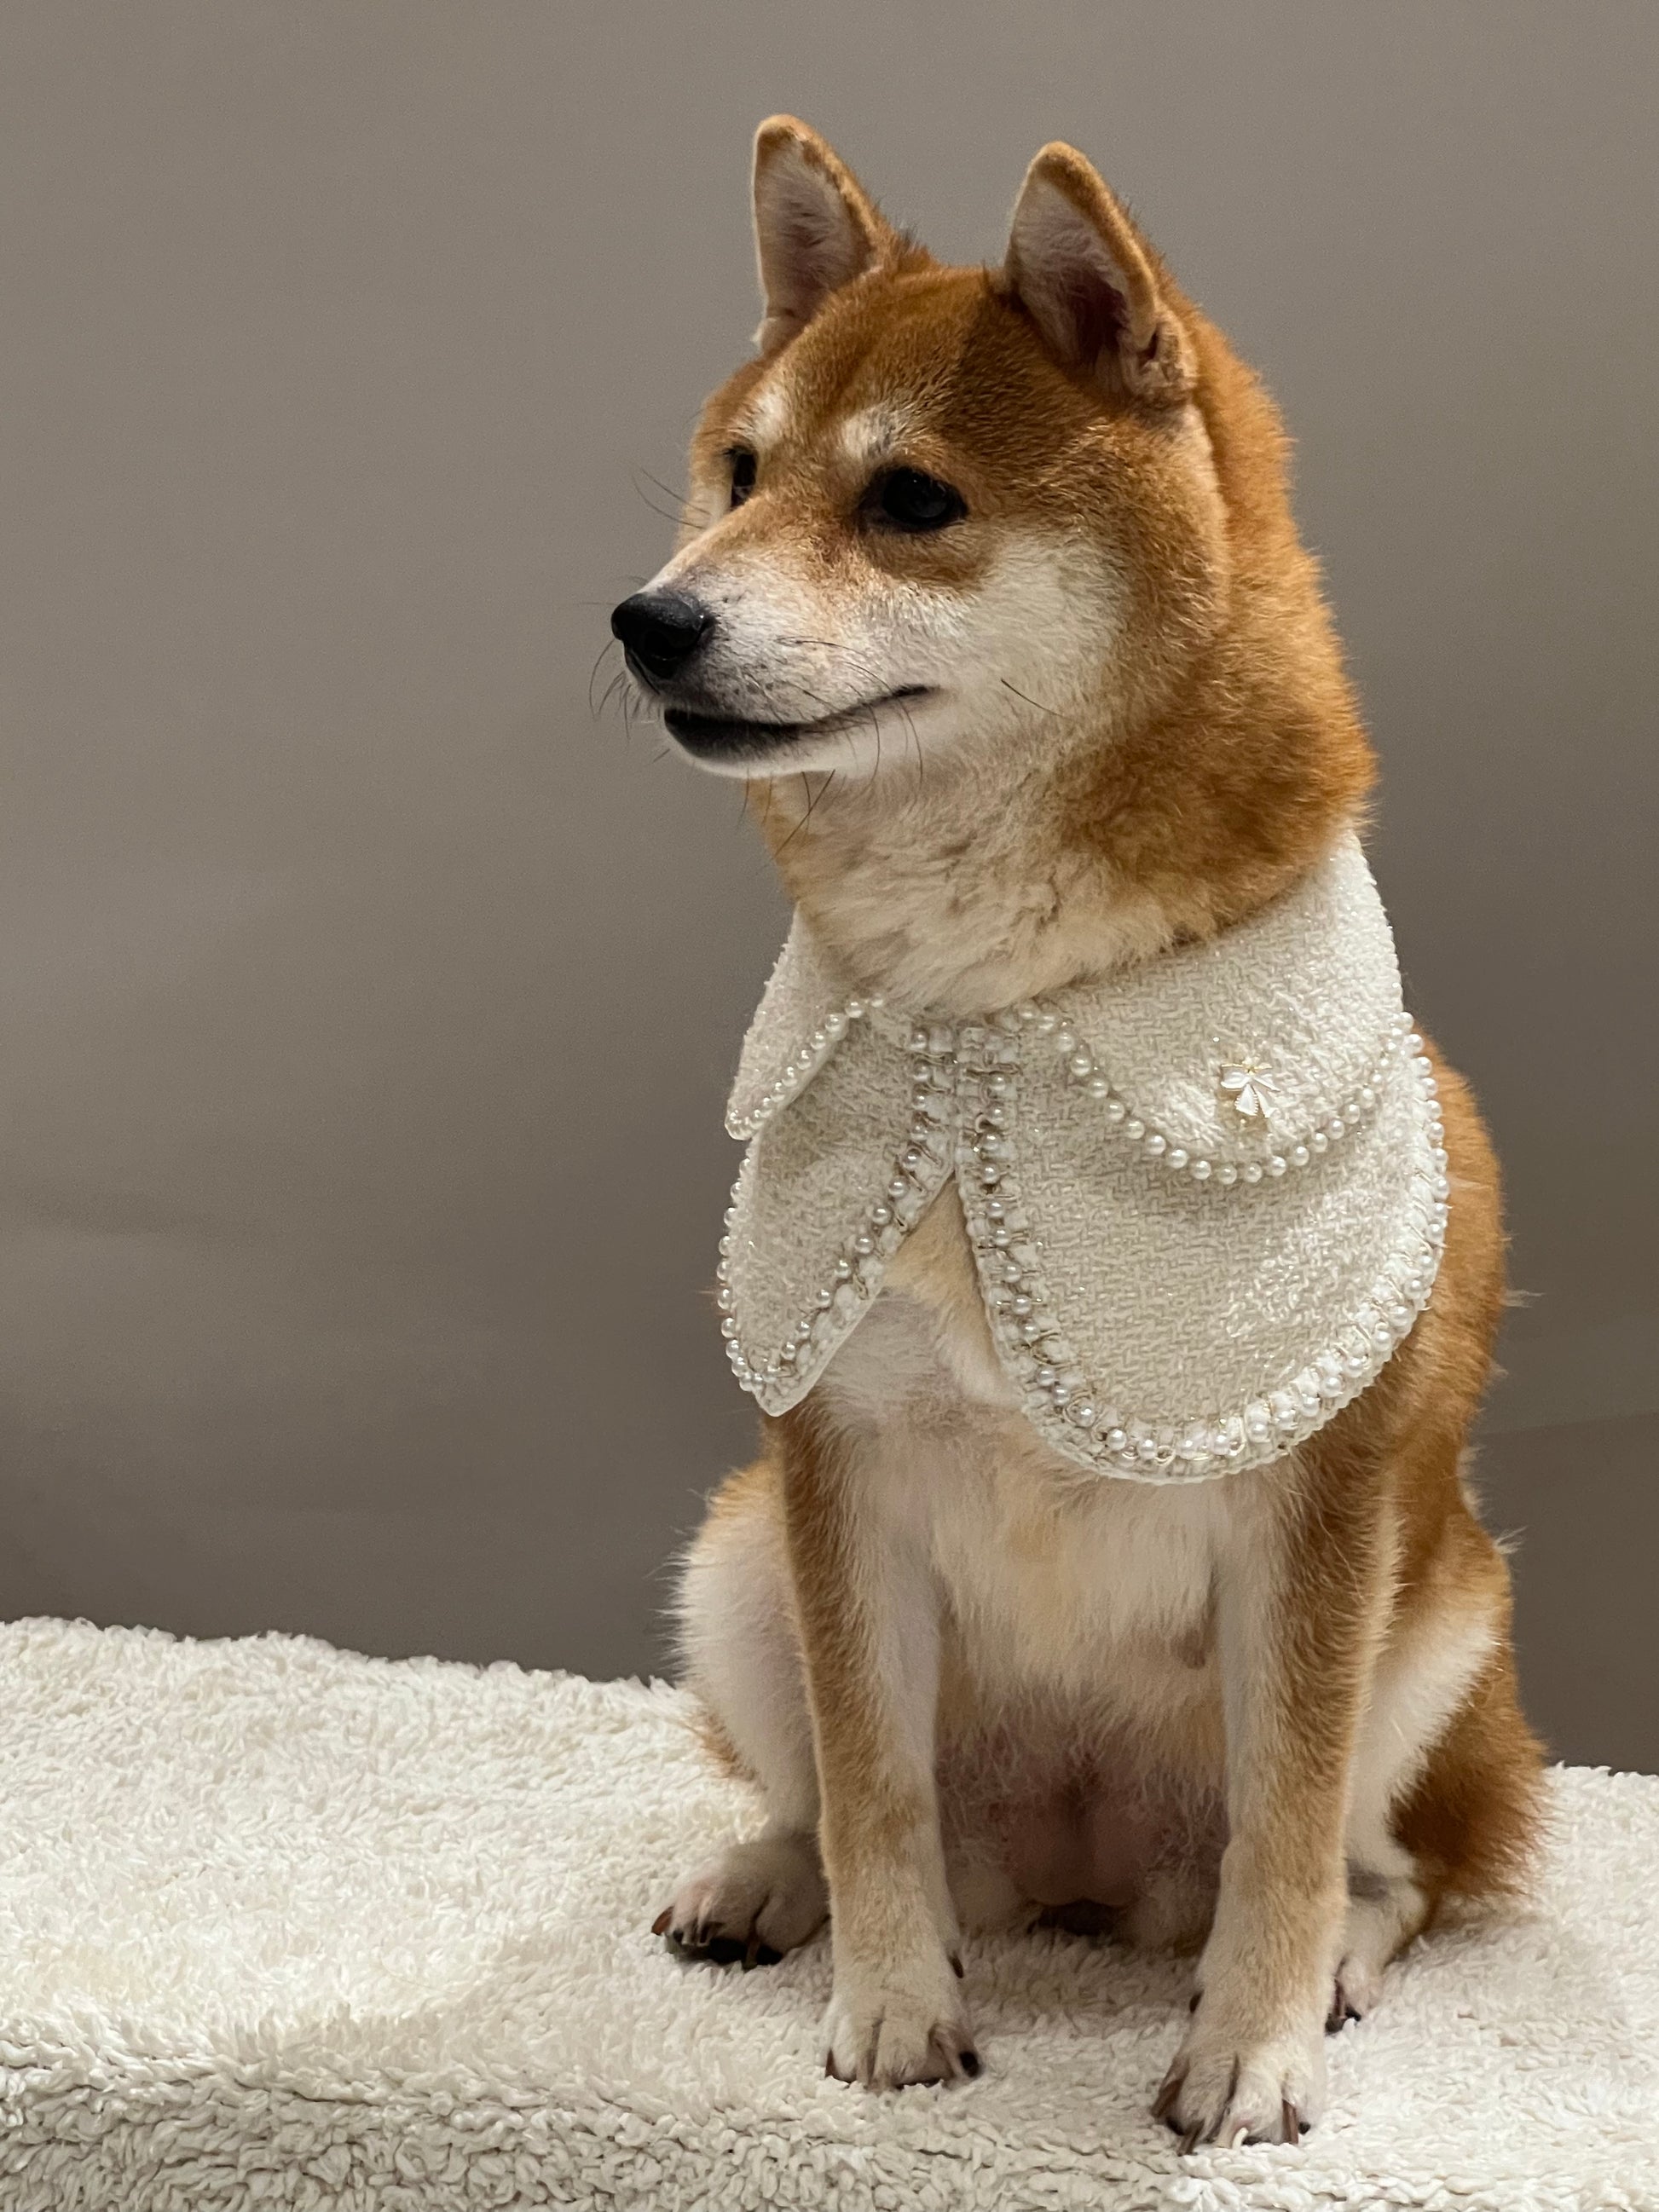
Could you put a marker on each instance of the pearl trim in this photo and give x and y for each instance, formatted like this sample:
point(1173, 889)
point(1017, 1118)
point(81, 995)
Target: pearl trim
point(799, 1071)
point(919, 1172)
point(1199, 1449)
point(945, 1061)
point(1082, 1068)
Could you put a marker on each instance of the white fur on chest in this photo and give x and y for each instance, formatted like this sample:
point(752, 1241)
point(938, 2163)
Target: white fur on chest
point(1047, 1570)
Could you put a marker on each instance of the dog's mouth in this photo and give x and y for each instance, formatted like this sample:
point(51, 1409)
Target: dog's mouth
point(709, 737)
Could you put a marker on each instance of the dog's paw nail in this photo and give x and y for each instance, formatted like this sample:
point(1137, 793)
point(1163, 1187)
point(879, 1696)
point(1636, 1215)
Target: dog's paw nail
point(970, 2064)
point(660, 1925)
point(956, 1964)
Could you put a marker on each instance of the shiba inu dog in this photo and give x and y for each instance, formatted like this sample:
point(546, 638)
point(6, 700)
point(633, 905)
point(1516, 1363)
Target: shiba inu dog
point(990, 591)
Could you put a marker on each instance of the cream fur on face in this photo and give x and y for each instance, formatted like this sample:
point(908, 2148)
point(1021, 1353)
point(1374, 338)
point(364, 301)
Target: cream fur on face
point(1023, 648)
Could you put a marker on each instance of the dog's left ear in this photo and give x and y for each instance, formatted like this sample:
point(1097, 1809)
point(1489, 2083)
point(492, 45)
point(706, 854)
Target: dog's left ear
point(1075, 264)
point(815, 228)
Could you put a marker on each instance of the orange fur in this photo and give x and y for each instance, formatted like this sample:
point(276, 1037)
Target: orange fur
point(1200, 749)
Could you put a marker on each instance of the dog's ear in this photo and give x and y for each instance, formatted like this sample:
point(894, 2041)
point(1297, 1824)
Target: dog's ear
point(1075, 264)
point(815, 229)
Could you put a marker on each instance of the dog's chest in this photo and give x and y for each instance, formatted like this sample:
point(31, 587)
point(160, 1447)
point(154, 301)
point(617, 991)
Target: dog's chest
point(1052, 1567)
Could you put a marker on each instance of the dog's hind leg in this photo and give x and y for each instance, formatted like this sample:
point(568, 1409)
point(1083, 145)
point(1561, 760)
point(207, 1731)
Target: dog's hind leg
point(1422, 1679)
point(759, 1897)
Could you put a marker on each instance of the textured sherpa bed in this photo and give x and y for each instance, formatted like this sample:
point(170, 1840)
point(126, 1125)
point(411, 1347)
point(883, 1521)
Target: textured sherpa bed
point(283, 1927)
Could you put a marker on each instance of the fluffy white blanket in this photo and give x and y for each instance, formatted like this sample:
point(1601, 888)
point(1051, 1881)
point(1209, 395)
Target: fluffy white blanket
point(283, 1927)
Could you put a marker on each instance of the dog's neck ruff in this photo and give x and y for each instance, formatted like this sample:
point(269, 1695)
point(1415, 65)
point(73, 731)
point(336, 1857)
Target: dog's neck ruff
point(1206, 1196)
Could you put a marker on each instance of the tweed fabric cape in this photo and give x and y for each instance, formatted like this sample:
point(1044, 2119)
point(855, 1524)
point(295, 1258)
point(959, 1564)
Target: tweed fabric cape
point(1206, 1195)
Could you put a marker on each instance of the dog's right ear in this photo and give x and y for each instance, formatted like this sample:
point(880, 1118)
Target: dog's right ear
point(815, 229)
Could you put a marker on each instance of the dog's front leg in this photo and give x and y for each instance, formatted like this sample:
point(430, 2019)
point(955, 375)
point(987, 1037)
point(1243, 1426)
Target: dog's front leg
point(868, 1608)
point(1299, 1612)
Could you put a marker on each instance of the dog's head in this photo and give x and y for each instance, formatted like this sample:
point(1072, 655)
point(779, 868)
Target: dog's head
point(945, 507)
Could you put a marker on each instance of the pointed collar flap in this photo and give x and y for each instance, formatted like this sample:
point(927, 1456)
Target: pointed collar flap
point(803, 1015)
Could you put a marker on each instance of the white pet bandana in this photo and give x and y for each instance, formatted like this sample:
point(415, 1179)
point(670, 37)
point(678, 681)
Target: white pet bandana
point(1206, 1196)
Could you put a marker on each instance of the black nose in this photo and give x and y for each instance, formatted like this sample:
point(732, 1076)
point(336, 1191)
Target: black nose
point(662, 631)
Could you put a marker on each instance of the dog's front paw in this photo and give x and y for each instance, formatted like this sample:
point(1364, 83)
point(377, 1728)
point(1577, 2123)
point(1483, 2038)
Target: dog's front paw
point(1228, 2087)
point(886, 2033)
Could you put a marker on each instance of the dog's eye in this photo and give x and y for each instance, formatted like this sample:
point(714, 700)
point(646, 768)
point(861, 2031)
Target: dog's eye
point(905, 499)
point(743, 473)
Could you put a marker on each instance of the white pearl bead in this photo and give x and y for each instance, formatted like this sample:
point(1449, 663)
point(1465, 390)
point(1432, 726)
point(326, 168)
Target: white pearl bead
point(1201, 1170)
point(1115, 1110)
point(1299, 1156)
point(1066, 1042)
point(1135, 1130)
point(1276, 1165)
point(1081, 1064)
point(1157, 1145)
point(1179, 1155)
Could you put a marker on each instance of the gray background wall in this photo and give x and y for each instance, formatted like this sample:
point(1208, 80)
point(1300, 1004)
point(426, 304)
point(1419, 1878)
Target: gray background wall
point(367, 1005)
